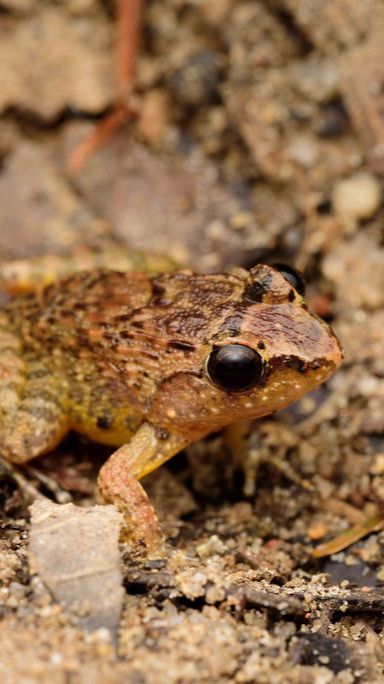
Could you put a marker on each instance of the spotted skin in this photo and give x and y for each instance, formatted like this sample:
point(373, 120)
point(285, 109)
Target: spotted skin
point(121, 358)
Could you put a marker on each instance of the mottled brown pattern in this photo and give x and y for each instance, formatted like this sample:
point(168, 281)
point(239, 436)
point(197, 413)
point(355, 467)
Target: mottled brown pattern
point(121, 357)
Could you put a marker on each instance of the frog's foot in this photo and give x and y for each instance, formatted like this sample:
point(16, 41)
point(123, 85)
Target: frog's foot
point(118, 484)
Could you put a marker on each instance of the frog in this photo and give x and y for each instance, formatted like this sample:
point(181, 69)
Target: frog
point(135, 353)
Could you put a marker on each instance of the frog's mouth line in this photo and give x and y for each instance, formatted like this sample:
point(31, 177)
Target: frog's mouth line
point(323, 366)
point(294, 362)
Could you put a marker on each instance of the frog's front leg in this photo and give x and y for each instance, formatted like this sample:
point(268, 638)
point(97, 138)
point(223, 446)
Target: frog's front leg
point(119, 483)
point(32, 415)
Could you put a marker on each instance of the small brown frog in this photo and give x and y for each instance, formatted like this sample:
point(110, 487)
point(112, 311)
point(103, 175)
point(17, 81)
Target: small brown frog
point(149, 362)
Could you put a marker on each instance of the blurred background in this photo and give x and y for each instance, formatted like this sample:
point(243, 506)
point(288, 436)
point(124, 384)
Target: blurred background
point(222, 133)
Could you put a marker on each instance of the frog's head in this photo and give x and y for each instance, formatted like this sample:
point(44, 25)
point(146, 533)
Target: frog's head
point(267, 353)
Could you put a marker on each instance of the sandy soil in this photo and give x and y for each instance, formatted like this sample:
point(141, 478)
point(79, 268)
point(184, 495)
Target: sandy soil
point(259, 136)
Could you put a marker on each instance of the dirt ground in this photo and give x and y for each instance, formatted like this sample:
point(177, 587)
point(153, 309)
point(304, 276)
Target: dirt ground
point(259, 135)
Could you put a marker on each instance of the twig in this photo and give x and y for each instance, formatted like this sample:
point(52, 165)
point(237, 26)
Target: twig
point(129, 13)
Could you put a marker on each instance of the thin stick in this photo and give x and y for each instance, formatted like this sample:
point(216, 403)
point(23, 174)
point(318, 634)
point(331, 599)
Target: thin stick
point(98, 138)
point(351, 536)
point(129, 18)
point(128, 32)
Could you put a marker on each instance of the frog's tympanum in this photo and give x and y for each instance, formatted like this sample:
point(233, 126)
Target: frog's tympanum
point(151, 363)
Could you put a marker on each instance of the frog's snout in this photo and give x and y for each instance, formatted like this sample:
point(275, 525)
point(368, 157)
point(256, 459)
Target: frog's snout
point(333, 350)
point(323, 348)
point(320, 343)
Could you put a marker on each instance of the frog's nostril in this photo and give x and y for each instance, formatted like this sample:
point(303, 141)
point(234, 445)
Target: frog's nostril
point(322, 345)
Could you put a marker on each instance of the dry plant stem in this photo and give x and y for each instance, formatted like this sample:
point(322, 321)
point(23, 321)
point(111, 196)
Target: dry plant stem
point(345, 510)
point(361, 526)
point(98, 138)
point(373, 524)
point(129, 13)
point(25, 486)
point(60, 495)
point(28, 489)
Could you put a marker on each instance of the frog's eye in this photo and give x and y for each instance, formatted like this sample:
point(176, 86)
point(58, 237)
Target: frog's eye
point(293, 276)
point(235, 367)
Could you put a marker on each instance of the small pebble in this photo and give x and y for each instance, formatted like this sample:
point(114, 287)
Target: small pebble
point(357, 197)
point(213, 546)
point(241, 220)
point(196, 82)
point(377, 467)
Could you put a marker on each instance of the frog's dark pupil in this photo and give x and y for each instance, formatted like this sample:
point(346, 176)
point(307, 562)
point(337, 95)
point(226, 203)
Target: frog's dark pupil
point(235, 367)
point(293, 276)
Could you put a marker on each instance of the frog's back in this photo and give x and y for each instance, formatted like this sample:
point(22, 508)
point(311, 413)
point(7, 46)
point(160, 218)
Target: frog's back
point(61, 313)
point(114, 337)
point(103, 311)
